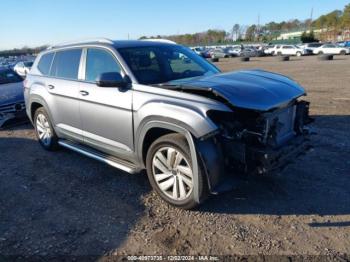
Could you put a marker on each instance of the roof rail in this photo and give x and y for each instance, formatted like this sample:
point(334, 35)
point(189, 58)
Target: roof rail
point(84, 41)
point(160, 40)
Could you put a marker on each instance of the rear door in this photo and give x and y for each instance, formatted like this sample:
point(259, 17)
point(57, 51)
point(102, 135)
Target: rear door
point(106, 112)
point(63, 85)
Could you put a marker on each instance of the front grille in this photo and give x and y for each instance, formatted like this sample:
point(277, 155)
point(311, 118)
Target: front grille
point(12, 108)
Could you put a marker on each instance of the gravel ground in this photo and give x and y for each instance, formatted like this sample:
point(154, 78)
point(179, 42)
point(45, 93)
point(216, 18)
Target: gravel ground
point(62, 203)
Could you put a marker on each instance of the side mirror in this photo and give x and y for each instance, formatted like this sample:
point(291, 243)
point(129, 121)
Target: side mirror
point(112, 79)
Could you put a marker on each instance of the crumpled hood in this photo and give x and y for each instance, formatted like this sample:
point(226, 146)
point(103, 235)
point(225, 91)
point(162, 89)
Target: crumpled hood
point(11, 93)
point(250, 89)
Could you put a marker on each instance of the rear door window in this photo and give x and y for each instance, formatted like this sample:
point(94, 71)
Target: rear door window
point(45, 63)
point(66, 64)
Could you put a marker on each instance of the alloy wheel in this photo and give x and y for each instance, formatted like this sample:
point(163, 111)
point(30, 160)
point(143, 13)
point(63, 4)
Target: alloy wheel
point(43, 129)
point(172, 173)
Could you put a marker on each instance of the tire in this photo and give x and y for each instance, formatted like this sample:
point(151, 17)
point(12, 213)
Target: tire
point(284, 58)
point(279, 53)
point(320, 53)
point(343, 52)
point(325, 57)
point(299, 54)
point(43, 129)
point(182, 193)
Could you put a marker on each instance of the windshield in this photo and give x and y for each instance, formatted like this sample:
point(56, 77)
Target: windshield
point(9, 76)
point(161, 64)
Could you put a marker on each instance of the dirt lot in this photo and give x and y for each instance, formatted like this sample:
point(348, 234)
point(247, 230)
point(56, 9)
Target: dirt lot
point(63, 203)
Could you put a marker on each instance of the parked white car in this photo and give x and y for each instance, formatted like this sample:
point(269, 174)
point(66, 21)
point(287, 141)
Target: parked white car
point(331, 49)
point(268, 50)
point(275, 49)
point(289, 50)
point(311, 46)
point(23, 68)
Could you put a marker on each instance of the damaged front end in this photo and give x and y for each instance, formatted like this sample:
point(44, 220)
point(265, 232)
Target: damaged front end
point(256, 142)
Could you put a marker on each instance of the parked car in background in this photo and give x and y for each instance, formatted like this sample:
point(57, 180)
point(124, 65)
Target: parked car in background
point(275, 49)
point(23, 68)
point(291, 50)
point(11, 96)
point(344, 44)
point(245, 51)
point(201, 51)
point(220, 53)
point(251, 52)
point(311, 46)
point(269, 49)
point(331, 49)
point(235, 51)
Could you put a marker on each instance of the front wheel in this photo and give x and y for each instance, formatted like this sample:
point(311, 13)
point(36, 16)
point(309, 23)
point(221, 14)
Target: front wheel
point(170, 171)
point(343, 52)
point(298, 54)
point(44, 131)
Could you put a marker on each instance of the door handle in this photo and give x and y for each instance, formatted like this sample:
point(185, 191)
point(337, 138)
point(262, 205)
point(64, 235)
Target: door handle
point(50, 87)
point(84, 93)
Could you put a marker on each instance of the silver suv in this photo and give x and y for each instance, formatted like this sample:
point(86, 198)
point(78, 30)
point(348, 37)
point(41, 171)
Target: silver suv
point(155, 106)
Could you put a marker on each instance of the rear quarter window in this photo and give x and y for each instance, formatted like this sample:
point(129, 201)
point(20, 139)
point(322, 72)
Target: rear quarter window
point(45, 63)
point(66, 64)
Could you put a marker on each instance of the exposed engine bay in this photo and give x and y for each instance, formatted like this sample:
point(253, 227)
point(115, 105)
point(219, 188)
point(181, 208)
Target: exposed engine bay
point(260, 142)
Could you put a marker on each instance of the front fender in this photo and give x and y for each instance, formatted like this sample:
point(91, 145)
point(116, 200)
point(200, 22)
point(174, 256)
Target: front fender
point(192, 119)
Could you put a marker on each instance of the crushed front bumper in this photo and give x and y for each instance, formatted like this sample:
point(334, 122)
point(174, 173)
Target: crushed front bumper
point(248, 159)
point(269, 160)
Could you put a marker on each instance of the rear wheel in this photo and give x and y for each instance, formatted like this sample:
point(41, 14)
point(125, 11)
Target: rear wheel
point(320, 53)
point(343, 52)
point(298, 53)
point(44, 131)
point(170, 171)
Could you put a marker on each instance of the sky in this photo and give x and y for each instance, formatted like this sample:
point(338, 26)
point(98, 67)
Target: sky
point(37, 22)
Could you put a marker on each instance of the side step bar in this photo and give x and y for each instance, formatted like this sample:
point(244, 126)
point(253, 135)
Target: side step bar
point(92, 153)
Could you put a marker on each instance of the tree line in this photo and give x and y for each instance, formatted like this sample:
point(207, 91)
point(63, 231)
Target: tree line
point(335, 22)
point(22, 51)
